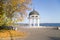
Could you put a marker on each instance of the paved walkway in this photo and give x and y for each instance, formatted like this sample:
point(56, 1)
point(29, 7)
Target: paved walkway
point(41, 34)
point(38, 34)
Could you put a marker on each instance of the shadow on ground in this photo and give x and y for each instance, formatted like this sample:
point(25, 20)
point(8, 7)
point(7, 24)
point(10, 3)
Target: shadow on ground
point(54, 38)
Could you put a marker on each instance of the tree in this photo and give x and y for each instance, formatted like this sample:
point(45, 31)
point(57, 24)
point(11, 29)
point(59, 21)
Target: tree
point(11, 6)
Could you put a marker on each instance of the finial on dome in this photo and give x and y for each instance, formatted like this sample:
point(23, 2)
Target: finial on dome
point(33, 9)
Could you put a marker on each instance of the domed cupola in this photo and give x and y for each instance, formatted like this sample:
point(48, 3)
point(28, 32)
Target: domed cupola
point(33, 13)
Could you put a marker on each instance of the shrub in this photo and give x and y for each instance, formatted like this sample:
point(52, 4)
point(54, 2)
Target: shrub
point(6, 28)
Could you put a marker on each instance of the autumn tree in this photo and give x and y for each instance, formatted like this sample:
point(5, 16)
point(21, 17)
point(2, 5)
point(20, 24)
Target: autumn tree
point(11, 6)
point(1, 13)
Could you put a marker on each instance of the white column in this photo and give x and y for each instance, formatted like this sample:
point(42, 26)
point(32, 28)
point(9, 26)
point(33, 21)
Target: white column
point(34, 22)
point(38, 22)
point(30, 22)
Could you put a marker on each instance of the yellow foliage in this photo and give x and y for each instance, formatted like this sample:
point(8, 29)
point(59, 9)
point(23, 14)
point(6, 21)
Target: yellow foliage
point(15, 2)
point(21, 1)
point(9, 33)
point(9, 7)
point(2, 17)
point(20, 19)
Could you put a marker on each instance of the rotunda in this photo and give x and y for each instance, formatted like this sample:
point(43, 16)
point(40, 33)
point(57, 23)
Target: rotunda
point(34, 19)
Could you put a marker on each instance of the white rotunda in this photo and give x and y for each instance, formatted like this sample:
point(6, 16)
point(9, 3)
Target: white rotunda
point(34, 19)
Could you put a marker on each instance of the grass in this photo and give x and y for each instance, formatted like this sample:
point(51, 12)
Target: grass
point(11, 33)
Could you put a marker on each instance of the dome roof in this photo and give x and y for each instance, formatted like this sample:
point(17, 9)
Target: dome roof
point(34, 13)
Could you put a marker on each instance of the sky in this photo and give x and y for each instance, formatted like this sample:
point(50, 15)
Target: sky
point(49, 10)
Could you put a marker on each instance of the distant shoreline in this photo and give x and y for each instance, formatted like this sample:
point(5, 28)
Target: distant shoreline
point(41, 24)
